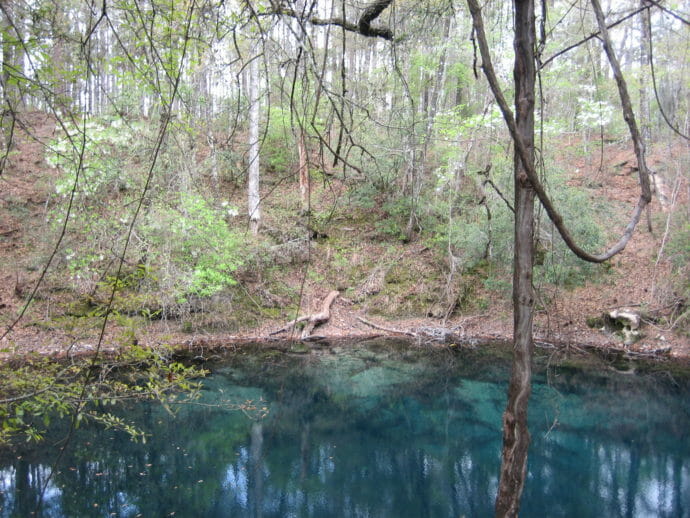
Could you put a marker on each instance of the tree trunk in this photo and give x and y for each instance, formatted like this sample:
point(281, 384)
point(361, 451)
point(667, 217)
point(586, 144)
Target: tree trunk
point(428, 109)
point(304, 187)
point(253, 195)
point(64, 97)
point(645, 123)
point(516, 437)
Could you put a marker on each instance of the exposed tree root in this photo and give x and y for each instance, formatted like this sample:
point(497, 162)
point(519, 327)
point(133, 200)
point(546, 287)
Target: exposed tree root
point(312, 320)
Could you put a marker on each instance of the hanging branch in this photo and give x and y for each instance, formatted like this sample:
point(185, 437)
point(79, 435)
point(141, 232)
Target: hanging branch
point(530, 173)
point(628, 113)
point(363, 25)
point(667, 119)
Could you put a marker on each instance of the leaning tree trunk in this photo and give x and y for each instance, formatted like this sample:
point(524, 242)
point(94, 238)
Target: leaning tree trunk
point(516, 437)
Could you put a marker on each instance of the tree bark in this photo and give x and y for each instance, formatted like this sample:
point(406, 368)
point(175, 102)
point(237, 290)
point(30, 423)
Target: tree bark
point(516, 436)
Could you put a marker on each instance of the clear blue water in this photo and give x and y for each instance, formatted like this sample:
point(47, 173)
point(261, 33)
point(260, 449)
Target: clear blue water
point(375, 430)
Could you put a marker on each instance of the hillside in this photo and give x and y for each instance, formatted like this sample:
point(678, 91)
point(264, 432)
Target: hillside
point(382, 279)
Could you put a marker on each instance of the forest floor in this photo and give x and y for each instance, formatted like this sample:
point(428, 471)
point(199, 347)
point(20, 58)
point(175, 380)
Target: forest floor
point(637, 279)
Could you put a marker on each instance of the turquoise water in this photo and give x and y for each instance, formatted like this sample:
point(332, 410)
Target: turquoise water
point(377, 429)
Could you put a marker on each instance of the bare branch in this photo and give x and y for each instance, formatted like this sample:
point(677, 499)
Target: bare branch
point(628, 113)
point(363, 26)
point(591, 36)
point(490, 182)
point(670, 12)
point(387, 329)
point(556, 218)
point(652, 68)
point(371, 12)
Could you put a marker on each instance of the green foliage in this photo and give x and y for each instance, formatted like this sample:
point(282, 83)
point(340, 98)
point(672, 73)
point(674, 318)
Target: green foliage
point(558, 264)
point(192, 242)
point(396, 211)
point(458, 224)
point(593, 112)
point(277, 153)
point(455, 124)
point(679, 253)
point(182, 247)
point(380, 184)
point(108, 143)
point(679, 247)
point(41, 390)
point(460, 72)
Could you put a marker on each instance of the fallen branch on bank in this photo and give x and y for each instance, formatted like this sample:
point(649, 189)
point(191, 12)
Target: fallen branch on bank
point(387, 329)
point(312, 320)
point(424, 334)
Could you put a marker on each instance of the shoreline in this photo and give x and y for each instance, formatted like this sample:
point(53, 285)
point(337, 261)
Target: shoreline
point(201, 345)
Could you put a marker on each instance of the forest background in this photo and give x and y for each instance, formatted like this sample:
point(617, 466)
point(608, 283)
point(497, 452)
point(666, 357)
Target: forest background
point(190, 171)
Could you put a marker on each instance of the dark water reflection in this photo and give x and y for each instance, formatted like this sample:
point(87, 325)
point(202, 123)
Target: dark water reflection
point(376, 430)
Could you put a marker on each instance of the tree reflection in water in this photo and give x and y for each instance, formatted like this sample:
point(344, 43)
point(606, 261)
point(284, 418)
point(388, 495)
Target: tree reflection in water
point(376, 431)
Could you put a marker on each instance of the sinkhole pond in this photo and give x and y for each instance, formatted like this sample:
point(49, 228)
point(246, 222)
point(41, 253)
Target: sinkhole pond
point(377, 428)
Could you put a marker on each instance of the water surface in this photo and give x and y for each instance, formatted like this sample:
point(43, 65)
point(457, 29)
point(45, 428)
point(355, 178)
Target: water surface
point(376, 429)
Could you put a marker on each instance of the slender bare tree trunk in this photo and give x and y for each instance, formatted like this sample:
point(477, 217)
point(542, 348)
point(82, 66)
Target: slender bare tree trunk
point(645, 123)
point(5, 56)
point(64, 97)
point(419, 150)
point(253, 195)
point(303, 166)
point(516, 436)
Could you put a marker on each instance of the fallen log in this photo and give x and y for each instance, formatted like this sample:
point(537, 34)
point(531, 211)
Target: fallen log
point(313, 320)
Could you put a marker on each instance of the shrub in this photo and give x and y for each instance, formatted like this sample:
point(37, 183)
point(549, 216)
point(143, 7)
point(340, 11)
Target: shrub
point(679, 253)
point(181, 240)
point(193, 245)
